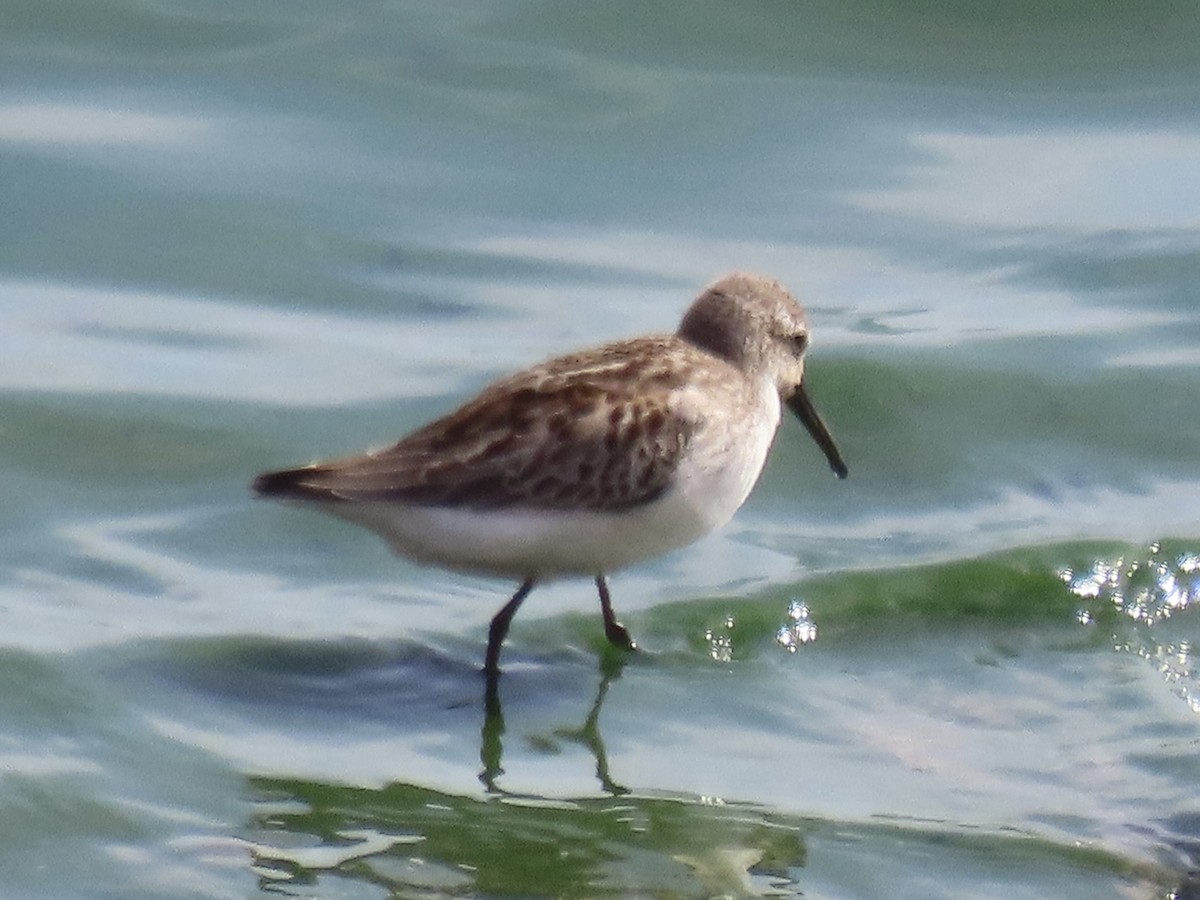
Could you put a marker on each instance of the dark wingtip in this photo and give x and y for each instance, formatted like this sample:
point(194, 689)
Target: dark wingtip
point(288, 483)
point(839, 469)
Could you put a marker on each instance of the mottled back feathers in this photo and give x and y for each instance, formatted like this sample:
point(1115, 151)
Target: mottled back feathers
point(594, 430)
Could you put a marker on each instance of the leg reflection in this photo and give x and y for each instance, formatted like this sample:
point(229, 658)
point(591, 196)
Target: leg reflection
point(491, 746)
point(588, 734)
point(491, 737)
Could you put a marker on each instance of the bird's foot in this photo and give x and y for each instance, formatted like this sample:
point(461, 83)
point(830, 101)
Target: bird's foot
point(618, 635)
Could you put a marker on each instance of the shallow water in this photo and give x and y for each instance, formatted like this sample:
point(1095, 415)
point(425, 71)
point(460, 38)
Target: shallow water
point(242, 236)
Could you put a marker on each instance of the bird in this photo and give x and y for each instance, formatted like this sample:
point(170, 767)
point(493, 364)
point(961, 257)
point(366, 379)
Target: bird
point(592, 461)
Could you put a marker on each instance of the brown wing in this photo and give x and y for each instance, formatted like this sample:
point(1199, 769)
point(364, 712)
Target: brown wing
point(592, 431)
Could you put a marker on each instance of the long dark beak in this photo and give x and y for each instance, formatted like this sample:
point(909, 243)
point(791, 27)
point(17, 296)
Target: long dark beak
point(803, 408)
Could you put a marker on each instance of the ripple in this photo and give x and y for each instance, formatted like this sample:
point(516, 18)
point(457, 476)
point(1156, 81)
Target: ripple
point(56, 125)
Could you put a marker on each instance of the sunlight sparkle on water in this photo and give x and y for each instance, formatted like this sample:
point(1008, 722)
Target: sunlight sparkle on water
point(1148, 591)
point(720, 644)
point(798, 630)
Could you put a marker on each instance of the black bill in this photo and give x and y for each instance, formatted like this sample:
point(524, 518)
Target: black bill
point(807, 413)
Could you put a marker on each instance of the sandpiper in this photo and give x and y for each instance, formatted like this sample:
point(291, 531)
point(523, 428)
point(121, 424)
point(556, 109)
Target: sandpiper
point(591, 461)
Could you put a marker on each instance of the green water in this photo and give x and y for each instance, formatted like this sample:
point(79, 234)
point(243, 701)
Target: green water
point(241, 236)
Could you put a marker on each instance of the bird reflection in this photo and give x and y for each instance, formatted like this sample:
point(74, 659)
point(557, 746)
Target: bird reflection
point(491, 743)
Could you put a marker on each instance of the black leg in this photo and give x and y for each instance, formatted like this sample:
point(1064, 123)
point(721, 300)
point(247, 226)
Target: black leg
point(499, 627)
point(616, 633)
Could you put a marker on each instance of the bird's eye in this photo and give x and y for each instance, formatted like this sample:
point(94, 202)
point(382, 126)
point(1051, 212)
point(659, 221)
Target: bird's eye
point(800, 341)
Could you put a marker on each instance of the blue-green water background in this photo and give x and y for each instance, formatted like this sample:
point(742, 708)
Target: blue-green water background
point(237, 236)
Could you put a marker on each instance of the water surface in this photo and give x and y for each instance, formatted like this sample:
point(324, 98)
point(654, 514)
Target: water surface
point(240, 237)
